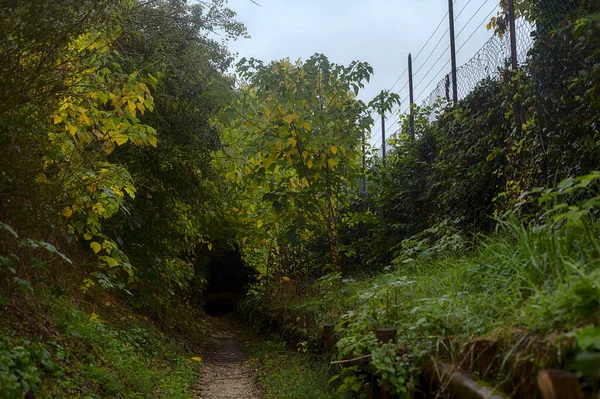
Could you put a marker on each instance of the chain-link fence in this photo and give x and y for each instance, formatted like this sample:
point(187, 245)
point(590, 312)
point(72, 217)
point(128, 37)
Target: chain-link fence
point(490, 61)
point(493, 59)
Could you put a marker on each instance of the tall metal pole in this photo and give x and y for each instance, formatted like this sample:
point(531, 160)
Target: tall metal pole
point(515, 63)
point(383, 137)
point(411, 96)
point(453, 51)
point(364, 166)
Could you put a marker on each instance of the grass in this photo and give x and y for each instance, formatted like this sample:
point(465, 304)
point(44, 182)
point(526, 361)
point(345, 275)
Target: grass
point(78, 354)
point(530, 287)
point(284, 374)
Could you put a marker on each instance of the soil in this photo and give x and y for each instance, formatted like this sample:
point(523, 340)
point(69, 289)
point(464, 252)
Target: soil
point(225, 372)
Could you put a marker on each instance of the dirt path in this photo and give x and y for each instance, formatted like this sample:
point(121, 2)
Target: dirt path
point(225, 373)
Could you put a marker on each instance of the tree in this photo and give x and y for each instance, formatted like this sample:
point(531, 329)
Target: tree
point(177, 213)
point(300, 130)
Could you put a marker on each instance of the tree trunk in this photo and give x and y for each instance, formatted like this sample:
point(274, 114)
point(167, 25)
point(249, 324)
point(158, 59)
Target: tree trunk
point(336, 259)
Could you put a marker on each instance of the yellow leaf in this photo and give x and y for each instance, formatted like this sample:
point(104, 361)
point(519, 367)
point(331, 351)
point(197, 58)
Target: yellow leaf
point(333, 149)
point(120, 139)
point(310, 164)
point(196, 358)
point(332, 162)
point(152, 140)
point(96, 247)
point(57, 119)
point(304, 154)
point(118, 191)
point(72, 129)
point(67, 212)
point(95, 317)
point(307, 126)
point(230, 175)
point(270, 161)
point(210, 246)
point(141, 107)
point(290, 118)
point(286, 279)
point(131, 191)
point(131, 106)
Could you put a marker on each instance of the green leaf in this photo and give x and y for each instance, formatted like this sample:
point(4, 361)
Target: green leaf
point(110, 261)
point(6, 227)
point(588, 338)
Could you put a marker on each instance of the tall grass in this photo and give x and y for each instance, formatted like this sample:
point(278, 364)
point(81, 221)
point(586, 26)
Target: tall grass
point(538, 274)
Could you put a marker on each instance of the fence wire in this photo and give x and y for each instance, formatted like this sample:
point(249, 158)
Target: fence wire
point(489, 62)
point(492, 60)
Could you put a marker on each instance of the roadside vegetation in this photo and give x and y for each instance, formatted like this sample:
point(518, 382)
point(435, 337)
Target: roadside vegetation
point(477, 238)
point(57, 350)
point(287, 374)
point(131, 161)
point(107, 197)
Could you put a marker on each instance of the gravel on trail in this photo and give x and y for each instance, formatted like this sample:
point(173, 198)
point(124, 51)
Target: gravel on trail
point(225, 373)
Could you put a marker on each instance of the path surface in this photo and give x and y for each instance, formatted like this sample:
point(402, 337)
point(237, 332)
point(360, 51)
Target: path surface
point(225, 373)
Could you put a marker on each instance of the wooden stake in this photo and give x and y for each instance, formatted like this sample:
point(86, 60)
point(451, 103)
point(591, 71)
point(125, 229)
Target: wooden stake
point(559, 384)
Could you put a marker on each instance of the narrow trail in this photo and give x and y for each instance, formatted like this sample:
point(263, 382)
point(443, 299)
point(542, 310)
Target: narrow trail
point(225, 373)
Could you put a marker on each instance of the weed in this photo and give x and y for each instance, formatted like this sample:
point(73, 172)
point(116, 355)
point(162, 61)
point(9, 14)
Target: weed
point(288, 375)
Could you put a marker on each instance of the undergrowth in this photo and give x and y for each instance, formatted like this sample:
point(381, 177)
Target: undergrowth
point(529, 289)
point(288, 375)
point(73, 353)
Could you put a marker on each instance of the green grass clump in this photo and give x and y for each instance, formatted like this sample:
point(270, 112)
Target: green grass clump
point(288, 375)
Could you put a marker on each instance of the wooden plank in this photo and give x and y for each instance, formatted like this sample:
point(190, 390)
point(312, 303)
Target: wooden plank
point(559, 384)
point(351, 360)
point(462, 385)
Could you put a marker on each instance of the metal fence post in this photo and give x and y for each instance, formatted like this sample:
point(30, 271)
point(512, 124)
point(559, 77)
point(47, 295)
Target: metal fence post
point(515, 63)
point(411, 96)
point(383, 137)
point(453, 51)
point(363, 190)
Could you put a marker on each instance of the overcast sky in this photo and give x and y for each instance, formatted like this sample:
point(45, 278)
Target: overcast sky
point(380, 32)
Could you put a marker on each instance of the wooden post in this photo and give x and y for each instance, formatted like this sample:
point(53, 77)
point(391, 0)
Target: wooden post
point(309, 317)
point(559, 384)
point(385, 335)
point(484, 352)
point(453, 51)
point(329, 336)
